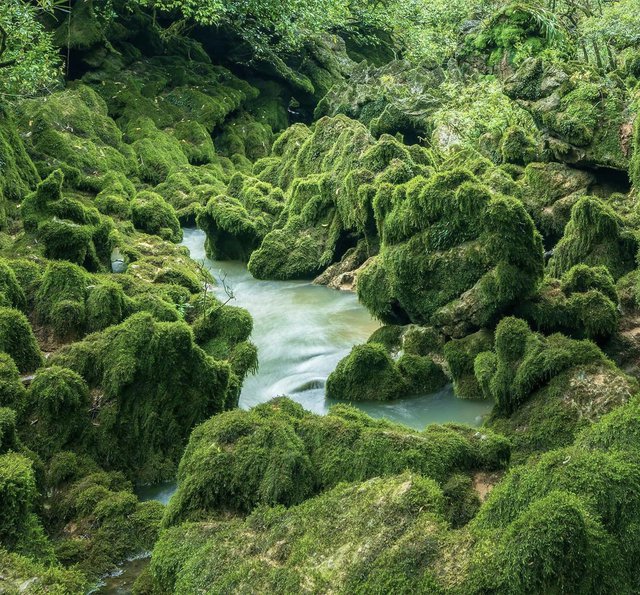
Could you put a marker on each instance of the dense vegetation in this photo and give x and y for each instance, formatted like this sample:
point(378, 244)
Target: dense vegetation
point(471, 169)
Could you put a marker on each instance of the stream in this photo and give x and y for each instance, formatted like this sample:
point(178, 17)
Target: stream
point(302, 331)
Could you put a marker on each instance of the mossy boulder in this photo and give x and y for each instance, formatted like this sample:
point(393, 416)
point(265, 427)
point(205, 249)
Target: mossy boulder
point(67, 228)
point(57, 411)
point(365, 551)
point(19, 495)
point(153, 385)
point(582, 113)
point(237, 221)
point(12, 391)
point(454, 255)
point(582, 304)
point(595, 235)
point(71, 129)
point(108, 523)
point(18, 341)
point(328, 174)
point(369, 373)
point(366, 374)
point(152, 214)
point(547, 388)
point(298, 454)
point(61, 299)
point(19, 176)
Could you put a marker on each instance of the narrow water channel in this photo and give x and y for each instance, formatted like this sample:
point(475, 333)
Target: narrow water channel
point(302, 331)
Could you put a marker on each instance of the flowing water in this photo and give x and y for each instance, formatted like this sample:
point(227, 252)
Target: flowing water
point(302, 331)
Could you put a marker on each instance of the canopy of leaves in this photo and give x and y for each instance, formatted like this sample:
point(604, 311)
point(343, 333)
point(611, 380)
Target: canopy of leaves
point(28, 61)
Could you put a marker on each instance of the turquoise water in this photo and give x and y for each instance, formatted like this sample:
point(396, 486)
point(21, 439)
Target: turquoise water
point(302, 331)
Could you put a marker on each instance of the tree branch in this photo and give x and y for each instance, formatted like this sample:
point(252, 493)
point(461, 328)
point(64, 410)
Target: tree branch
point(3, 48)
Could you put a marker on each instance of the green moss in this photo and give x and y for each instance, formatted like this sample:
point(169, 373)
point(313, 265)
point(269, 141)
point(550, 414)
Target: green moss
point(11, 293)
point(71, 129)
point(42, 578)
point(478, 258)
point(461, 500)
point(9, 440)
point(57, 409)
point(279, 453)
point(516, 146)
point(389, 335)
point(110, 523)
point(195, 141)
point(369, 374)
point(106, 305)
point(526, 361)
point(152, 214)
point(407, 505)
point(12, 392)
point(595, 235)
point(236, 222)
point(60, 300)
point(154, 384)
point(19, 176)
point(18, 341)
point(18, 494)
point(556, 544)
point(158, 153)
point(460, 355)
point(422, 374)
point(583, 304)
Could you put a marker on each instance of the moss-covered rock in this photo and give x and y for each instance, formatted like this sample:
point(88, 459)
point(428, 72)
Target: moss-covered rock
point(153, 384)
point(369, 373)
point(582, 112)
point(17, 340)
point(57, 411)
point(279, 453)
point(71, 130)
point(236, 222)
point(547, 388)
point(453, 254)
point(583, 304)
point(367, 550)
point(366, 374)
point(152, 214)
point(101, 523)
point(595, 235)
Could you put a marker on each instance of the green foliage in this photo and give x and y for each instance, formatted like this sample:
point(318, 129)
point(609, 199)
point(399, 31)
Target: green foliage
point(42, 578)
point(28, 60)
